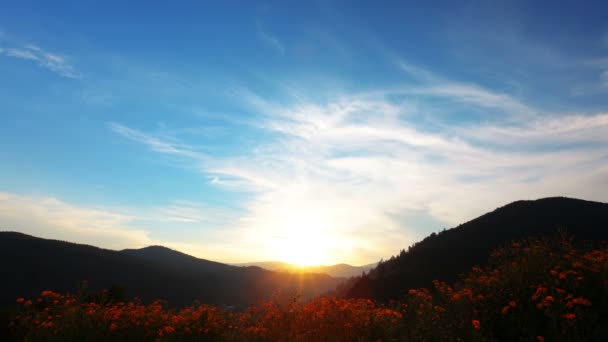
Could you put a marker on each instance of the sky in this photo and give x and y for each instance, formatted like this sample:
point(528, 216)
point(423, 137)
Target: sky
point(314, 132)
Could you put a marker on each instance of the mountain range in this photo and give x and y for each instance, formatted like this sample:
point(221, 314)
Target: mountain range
point(31, 265)
point(336, 271)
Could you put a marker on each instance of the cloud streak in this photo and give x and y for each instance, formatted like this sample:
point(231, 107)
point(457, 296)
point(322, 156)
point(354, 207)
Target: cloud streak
point(114, 228)
point(269, 40)
point(57, 63)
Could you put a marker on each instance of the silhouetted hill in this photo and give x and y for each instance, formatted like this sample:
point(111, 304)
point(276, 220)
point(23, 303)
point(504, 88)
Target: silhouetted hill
point(338, 270)
point(169, 257)
point(31, 265)
point(447, 254)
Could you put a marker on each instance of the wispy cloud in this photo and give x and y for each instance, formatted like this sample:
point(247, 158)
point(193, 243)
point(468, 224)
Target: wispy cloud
point(599, 84)
point(57, 63)
point(599, 67)
point(432, 84)
point(342, 171)
point(158, 144)
point(114, 228)
point(269, 40)
point(48, 216)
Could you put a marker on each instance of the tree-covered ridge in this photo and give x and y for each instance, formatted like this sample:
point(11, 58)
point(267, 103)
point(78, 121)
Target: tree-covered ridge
point(454, 251)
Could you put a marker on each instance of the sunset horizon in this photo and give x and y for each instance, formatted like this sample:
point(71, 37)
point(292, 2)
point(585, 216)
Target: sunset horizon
point(320, 170)
point(314, 135)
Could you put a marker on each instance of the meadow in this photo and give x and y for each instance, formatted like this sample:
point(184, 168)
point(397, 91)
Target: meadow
point(531, 290)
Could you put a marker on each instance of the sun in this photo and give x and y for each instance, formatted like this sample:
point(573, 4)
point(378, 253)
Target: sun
point(299, 228)
point(306, 242)
point(304, 251)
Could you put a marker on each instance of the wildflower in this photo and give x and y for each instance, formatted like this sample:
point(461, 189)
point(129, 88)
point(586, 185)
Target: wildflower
point(540, 339)
point(476, 324)
point(439, 308)
point(512, 304)
point(578, 301)
point(20, 300)
point(570, 316)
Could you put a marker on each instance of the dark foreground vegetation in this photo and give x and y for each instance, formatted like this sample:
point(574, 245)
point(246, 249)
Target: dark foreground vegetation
point(531, 290)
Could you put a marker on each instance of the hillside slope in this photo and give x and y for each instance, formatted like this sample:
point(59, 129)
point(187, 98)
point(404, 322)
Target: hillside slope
point(447, 254)
point(172, 258)
point(31, 265)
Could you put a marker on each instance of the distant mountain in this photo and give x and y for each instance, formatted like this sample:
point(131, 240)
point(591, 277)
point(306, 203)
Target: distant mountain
point(337, 271)
point(31, 265)
point(452, 252)
point(172, 258)
point(269, 265)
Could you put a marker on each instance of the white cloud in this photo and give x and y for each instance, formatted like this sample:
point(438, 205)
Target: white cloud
point(560, 130)
point(341, 171)
point(23, 54)
point(156, 143)
point(432, 84)
point(50, 217)
point(56, 63)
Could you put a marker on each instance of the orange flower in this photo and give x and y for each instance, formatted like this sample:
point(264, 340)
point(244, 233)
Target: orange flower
point(476, 324)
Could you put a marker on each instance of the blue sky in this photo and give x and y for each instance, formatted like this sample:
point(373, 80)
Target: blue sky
point(311, 132)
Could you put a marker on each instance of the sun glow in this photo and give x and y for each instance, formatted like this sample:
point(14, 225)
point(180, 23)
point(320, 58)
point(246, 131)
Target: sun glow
point(305, 238)
point(304, 249)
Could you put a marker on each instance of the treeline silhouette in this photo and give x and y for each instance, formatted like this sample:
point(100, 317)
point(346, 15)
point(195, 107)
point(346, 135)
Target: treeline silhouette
point(452, 252)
